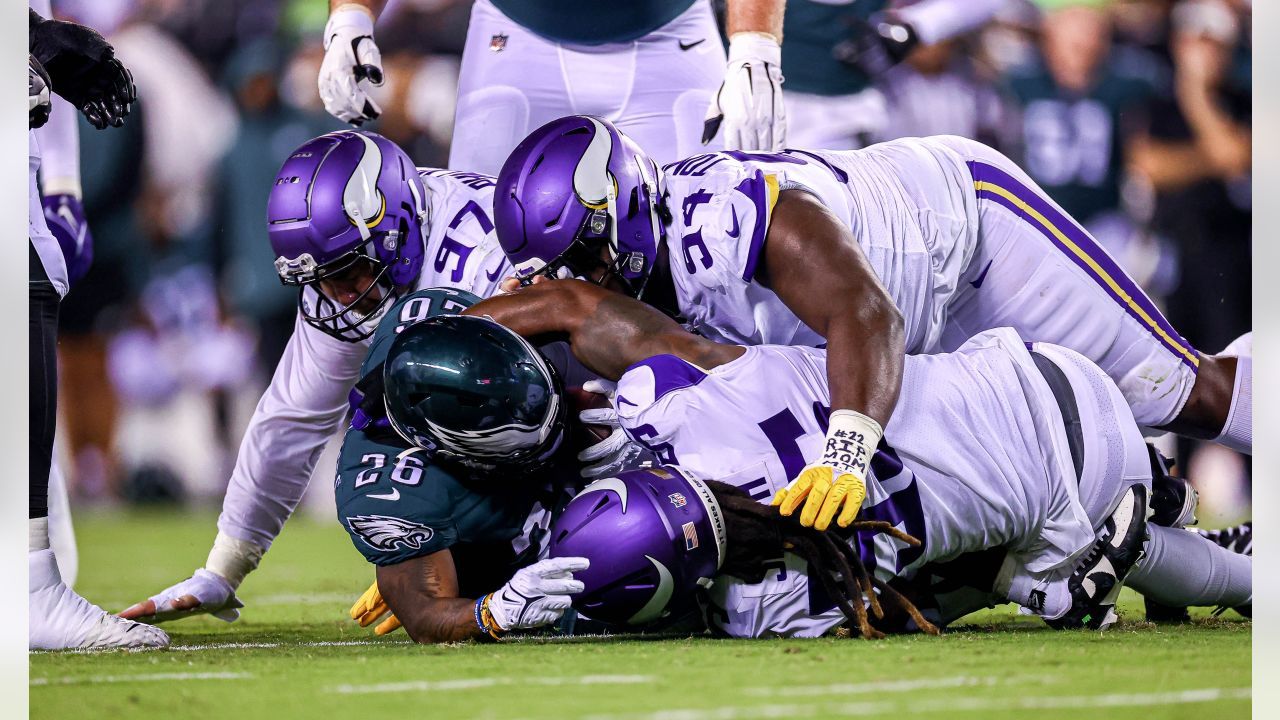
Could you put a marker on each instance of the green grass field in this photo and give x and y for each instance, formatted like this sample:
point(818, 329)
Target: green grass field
point(294, 653)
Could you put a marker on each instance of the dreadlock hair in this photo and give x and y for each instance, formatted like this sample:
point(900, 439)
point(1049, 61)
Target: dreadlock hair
point(758, 533)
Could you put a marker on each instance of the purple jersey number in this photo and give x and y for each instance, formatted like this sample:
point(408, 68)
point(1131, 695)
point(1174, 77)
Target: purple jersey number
point(450, 247)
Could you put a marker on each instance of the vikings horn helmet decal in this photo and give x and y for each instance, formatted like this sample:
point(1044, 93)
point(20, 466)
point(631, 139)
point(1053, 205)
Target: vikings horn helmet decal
point(648, 554)
point(365, 206)
point(578, 198)
point(348, 206)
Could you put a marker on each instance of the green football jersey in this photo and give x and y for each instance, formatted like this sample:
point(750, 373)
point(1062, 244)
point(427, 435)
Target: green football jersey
point(811, 32)
point(398, 504)
point(1073, 144)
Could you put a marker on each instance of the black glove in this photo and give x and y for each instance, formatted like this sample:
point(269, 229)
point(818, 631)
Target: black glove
point(84, 69)
point(875, 46)
point(38, 105)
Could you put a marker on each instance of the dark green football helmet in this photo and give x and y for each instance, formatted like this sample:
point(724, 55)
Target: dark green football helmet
point(469, 390)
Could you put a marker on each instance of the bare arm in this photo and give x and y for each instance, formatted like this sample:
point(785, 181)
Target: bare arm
point(1202, 65)
point(373, 6)
point(423, 594)
point(762, 16)
point(816, 267)
point(608, 332)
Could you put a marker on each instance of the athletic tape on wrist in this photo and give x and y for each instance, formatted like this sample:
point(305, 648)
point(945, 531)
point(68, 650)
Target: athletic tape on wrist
point(851, 441)
point(233, 559)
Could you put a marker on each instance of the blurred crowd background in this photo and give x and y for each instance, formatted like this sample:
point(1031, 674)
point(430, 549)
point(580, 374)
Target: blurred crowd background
point(1133, 114)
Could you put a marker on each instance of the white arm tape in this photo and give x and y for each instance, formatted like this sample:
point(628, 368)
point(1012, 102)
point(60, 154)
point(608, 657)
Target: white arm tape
point(233, 559)
point(851, 441)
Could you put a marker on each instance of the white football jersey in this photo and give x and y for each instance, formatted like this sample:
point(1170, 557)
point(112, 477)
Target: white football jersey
point(909, 203)
point(974, 457)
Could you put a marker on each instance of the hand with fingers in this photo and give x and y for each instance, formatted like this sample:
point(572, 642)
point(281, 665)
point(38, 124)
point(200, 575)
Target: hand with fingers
point(351, 61)
point(834, 487)
point(371, 608)
point(83, 69)
point(534, 597)
point(205, 592)
point(615, 453)
point(748, 107)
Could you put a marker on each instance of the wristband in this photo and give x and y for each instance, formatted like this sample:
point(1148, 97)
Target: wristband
point(851, 441)
point(489, 629)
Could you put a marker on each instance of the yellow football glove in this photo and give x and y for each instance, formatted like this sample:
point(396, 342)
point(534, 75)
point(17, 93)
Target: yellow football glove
point(825, 491)
point(370, 607)
point(834, 487)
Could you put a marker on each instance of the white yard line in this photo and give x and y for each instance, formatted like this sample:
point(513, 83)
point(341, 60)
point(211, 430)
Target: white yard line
point(268, 645)
point(937, 706)
point(345, 599)
point(152, 677)
point(484, 682)
point(891, 686)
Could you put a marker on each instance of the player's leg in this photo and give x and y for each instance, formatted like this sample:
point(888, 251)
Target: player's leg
point(1182, 568)
point(62, 536)
point(59, 618)
point(674, 71)
point(1112, 479)
point(835, 122)
point(1035, 269)
point(509, 83)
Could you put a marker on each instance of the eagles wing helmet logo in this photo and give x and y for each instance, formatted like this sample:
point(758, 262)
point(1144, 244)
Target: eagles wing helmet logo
point(389, 533)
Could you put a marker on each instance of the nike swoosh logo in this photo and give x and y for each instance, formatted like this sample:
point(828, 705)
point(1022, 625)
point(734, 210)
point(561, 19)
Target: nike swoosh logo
point(393, 495)
point(735, 231)
point(64, 212)
point(497, 273)
point(693, 44)
point(978, 282)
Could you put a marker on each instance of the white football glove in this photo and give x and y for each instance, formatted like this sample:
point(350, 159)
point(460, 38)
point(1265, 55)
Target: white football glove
point(203, 592)
point(351, 60)
point(616, 453)
point(748, 106)
point(537, 595)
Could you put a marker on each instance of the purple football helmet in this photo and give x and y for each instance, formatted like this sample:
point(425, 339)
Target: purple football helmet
point(347, 202)
point(652, 537)
point(573, 188)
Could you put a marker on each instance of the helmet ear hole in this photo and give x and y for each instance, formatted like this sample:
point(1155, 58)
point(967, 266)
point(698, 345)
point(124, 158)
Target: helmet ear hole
point(634, 206)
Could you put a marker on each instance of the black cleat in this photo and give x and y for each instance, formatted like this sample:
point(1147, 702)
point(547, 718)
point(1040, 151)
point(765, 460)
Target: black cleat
point(1098, 578)
point(1238, 539)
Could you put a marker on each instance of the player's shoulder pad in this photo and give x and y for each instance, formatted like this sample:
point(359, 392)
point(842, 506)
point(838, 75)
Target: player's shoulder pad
point(473, 181)
point(649, 381)
point(722, 209)
point(391, 500)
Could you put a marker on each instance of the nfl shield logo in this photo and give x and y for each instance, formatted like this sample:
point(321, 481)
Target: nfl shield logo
point(498, 43)
point(677, 499)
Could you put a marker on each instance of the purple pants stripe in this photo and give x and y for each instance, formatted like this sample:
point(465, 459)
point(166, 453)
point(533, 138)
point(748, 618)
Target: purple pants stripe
point(994, 184)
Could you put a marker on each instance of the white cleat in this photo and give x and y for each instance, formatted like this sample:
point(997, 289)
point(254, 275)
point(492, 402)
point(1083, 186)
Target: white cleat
point(62, 620)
